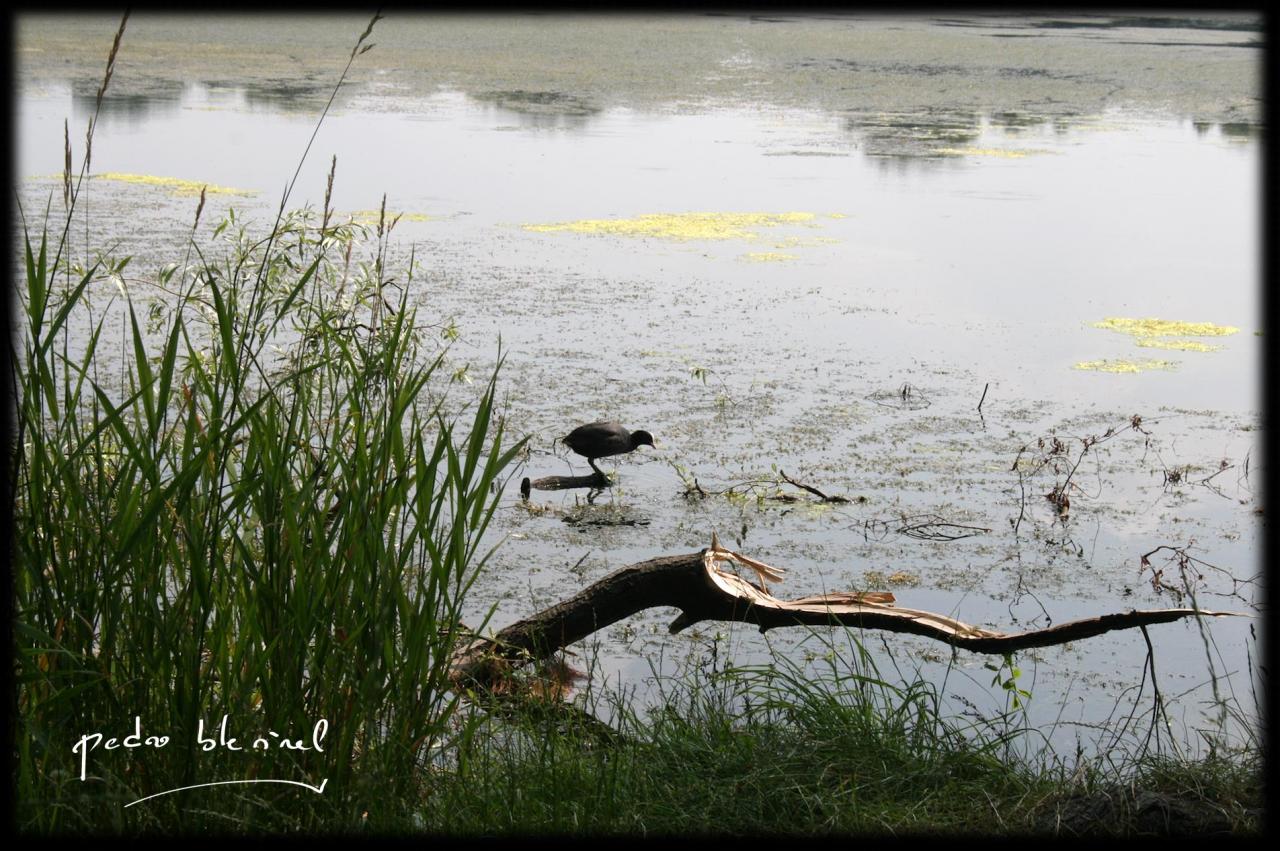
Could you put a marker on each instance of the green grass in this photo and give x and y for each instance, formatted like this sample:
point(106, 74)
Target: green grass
point(774, 750)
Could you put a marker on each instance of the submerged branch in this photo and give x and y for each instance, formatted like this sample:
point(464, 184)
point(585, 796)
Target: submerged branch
point(552, 483)
point(819, 494)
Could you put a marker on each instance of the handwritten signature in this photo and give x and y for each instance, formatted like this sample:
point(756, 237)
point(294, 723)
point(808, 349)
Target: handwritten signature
point(90, 742)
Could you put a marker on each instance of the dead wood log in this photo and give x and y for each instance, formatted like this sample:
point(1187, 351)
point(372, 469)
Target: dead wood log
point(702, 589)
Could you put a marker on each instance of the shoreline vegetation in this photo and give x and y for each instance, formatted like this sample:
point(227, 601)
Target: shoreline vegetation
point(242, 543)
point(843, 63)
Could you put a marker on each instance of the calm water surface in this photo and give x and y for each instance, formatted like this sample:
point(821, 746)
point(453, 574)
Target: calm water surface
point(954, 250)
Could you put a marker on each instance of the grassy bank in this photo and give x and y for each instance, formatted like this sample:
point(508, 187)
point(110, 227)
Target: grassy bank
point(772, 750)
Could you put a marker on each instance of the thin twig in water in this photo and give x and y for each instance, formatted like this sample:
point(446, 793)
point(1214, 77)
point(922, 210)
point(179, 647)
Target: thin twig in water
point(819, 494)
point(929, 529)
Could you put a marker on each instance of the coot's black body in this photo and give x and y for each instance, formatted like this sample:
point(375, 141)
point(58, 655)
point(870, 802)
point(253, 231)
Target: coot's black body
point(602, 439)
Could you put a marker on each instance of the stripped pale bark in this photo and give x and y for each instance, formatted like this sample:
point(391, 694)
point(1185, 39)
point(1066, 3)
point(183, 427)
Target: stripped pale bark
point(703, 587)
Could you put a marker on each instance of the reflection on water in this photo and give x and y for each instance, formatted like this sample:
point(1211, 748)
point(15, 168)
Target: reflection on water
point(126, 108)
point(1013, 122)
point(168, 97)
point(919, 136)
point(542, 109)
point(1243, 132)
point(1152, 21)
point(930, 137)
point(287, 95)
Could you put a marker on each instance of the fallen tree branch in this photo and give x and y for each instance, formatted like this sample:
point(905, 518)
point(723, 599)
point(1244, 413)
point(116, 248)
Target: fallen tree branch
point(700, 586)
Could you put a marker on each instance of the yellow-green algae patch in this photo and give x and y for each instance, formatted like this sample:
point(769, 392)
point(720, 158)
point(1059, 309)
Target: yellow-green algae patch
point(1006, 153)
point(767, 256)
point(371, 217)
point(1164, 328)
point(681, 226)
point(877, 579)
point(175, 185)
point(1178, 345)
point(804, 242)
point(1125, 366)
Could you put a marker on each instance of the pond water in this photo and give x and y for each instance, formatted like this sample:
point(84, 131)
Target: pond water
point(752, 237)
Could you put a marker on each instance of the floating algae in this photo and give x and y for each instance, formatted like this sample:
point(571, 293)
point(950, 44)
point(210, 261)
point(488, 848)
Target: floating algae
point(175, 185)
point(767, 256)
point(1178, 345)
point(804, 242)
point(1006, 153)
point(1150, 333)
point(1164, 328)
point(877, 579)
point(1126, 366)
point(682, 226)
point(372, 217)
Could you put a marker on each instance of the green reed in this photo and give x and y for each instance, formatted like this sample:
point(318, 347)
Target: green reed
point(267, 505)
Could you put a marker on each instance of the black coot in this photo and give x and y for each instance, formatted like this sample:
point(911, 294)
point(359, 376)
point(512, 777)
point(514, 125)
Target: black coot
point(602, 439)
